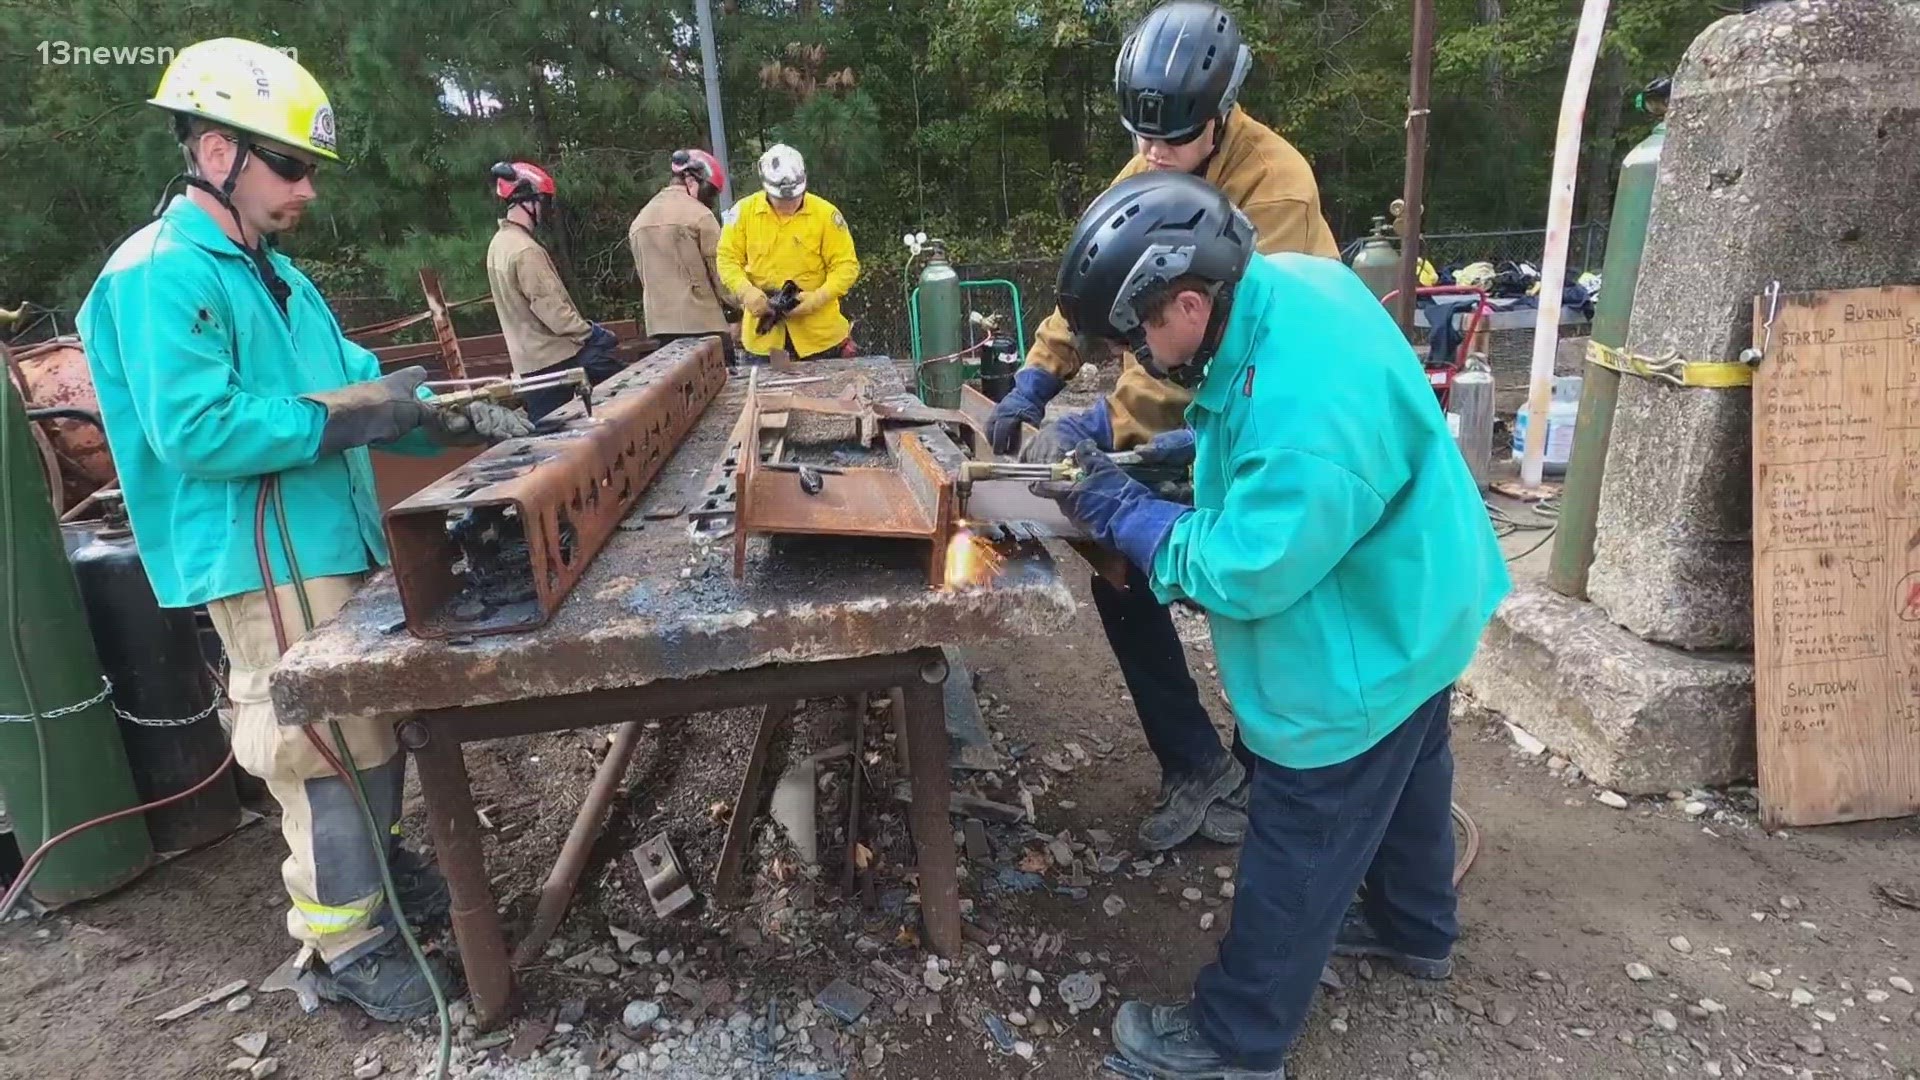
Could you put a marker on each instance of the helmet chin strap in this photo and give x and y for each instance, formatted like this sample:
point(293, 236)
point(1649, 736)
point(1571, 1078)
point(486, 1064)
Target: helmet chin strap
point(257, 253)
point(1194, 371)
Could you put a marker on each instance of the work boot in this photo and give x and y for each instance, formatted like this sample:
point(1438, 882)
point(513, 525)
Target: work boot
point(1226, 820)
point(387, 984)
point(423, 889)
point(1184, 801)
point(1357, 938)
point(1164, 1040)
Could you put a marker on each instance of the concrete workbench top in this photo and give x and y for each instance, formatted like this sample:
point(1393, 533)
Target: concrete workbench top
point(658, 604)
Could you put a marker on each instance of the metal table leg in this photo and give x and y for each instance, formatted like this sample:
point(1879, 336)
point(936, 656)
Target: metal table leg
point(456, 840)
point(926, 754)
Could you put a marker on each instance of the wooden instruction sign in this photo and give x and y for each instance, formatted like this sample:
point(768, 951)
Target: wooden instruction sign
point(1836, 556)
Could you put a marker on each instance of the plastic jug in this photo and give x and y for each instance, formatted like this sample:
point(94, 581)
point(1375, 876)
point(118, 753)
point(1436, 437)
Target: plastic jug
point(1561, 413)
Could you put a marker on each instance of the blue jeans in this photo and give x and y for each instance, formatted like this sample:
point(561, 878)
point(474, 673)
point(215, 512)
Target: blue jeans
point(1313, 835)
point(1141, 633)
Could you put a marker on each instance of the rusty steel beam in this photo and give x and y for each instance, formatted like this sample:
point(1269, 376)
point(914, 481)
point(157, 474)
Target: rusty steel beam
point(495, 545)
point(733, 850)
point(486, 354)
point(911, 498)
point(557, 893)
point(859, 741)
point(923, 718)
point(442, 318)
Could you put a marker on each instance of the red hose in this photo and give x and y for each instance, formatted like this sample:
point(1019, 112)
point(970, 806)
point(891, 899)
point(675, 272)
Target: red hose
point(279, 621)
point(33, 861)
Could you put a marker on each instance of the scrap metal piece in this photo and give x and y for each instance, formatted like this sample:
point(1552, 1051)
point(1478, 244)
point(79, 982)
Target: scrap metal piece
point(1003, 1039)
point(1080, 991)
point(844, 1001)
point(201, 1002)
point(810, 480)
point(913, 498)
point(516, 527)
point(733, 850)
point(667, 883)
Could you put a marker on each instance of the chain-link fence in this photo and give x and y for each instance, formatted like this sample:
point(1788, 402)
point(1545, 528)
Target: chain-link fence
point(1586, 247)
point(877, 305)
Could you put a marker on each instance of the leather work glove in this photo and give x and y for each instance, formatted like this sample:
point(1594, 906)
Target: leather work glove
point(1169, 450)
point(1026, 403)
point(1056, 440)
point(754, 301)
point(376, 411)
point(1115, 509)
point(479, 423)
point(810, 301)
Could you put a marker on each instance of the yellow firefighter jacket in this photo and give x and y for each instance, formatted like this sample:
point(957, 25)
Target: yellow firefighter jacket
point(810, 247)
point(1273, 184)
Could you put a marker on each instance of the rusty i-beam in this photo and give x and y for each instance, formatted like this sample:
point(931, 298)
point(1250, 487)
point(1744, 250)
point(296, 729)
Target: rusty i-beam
point(495, 545)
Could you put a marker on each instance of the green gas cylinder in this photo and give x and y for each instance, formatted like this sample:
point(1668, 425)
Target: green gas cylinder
point(940, 314)
point(1572, 554)
point(75, 744)
point(1378, 260)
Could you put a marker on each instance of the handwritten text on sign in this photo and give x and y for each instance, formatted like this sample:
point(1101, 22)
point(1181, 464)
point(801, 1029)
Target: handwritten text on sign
point(1836, 546)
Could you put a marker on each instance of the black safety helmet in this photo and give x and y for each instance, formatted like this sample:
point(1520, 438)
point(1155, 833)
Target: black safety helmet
point(1181, 67)
point(1136, 238)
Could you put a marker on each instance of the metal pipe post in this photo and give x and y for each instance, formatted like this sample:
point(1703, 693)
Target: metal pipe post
point(1553, 270)
point(716, 120)
point(1414, 189)
point(456, 840)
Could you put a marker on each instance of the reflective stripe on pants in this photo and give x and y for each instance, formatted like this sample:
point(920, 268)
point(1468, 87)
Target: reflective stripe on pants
point(332, 870)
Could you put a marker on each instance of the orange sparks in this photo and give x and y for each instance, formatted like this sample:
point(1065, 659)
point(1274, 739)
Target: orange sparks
point(970, 560)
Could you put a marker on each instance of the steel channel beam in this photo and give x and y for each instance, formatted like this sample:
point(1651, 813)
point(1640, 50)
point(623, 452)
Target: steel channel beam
point(910, 499)
point(926, 760)
point(569, 490)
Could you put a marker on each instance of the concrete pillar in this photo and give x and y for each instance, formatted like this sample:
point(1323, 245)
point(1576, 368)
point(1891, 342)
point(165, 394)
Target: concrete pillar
point(1793, 152)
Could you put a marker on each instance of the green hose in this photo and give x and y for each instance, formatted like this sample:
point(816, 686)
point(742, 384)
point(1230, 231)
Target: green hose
point(379, 840)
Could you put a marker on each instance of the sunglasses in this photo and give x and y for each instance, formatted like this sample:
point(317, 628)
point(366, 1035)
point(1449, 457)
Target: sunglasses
point(285, 166)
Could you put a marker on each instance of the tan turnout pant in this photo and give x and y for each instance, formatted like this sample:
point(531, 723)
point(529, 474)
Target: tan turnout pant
point(332, 866)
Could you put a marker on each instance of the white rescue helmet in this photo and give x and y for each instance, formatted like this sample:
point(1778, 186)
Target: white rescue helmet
point(783, 172)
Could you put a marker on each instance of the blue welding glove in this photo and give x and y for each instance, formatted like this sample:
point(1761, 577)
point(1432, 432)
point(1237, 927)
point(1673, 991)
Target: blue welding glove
point(601, 338)
point(1169, 450)
point(1056, 440)
point(1115, 509)
point(1026, 403)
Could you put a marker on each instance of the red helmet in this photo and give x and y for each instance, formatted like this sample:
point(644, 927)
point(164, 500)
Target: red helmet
point(521, 181)
point(700, 165)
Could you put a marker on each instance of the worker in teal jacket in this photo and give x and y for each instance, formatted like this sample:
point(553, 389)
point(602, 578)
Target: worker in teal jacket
point(1347, 568)
point(239, 420)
